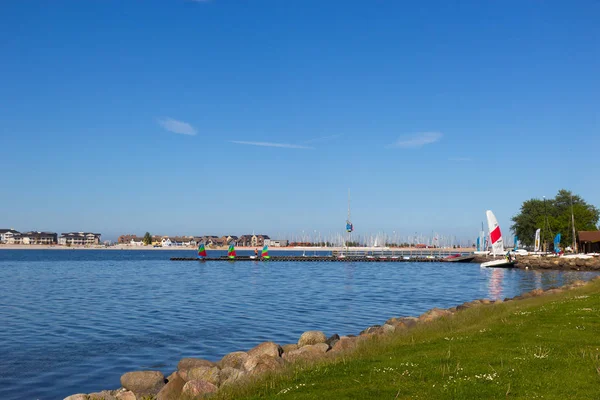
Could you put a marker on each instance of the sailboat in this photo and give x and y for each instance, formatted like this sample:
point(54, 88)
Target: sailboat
point(536, 247)
point(265, 253)
point(497, 244)
point(201, 252)
point(231, 252)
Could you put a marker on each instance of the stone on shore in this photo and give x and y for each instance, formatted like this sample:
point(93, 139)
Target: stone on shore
point(345, 344)
point(231, 375)
point(312, 337)
point(234, 360)
point(78, 396)
point(198, 388)
point(332, 340)
point(143, 382)
point(433, 314)
point(387, 329)
point(262, 363)
point(371, 330)
point(127, 395)
point(189, 363)
point(309, 352)
point(173, 388)
point(208, 374)
point(289, 347)
point(267, 348)
point(103, 395)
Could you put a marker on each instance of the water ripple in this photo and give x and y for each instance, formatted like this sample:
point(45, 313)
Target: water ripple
point(74, 321)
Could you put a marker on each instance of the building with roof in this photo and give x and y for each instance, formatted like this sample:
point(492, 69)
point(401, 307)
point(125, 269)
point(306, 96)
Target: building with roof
point(6, 234)
point(79, 239)
point(276, 242)
point(38, 238)
point(589, 241)
point(252, 240)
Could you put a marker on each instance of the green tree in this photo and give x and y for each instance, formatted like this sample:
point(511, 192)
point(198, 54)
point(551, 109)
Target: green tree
point(147, 240)
point(558, 211)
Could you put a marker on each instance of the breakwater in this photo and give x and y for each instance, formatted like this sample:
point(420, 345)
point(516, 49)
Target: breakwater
point(197, 378)
point(329, 259)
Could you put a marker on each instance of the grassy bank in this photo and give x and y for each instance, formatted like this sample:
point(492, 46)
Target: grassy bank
point(545, 347)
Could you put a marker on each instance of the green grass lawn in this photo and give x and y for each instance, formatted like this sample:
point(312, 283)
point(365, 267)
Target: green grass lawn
point(544, 347)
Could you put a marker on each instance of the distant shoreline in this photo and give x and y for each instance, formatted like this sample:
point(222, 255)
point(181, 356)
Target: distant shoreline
point(136, 248)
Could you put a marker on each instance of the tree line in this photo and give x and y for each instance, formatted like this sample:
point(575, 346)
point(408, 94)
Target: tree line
point(533, 214)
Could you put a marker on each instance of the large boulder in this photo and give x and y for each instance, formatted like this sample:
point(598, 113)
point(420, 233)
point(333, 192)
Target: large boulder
point(78, 396)
point(126, 395)
point(371, 330)
point(266, 348)
point(387, 329)
point(198, 388)
point(143, 382)
point(103, 395)
point(208, 374)
point(189, 363)
point(231, 375)
point(234, 360)
point(289, 347)
point(433, 314)
point(173, 389)
point(309, 352)
point(262, 363)
point(332, 340)
point(312, 337)
point(345, 344)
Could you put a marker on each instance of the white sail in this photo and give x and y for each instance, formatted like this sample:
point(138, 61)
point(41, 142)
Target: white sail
point(537, 240)
point(495, 234)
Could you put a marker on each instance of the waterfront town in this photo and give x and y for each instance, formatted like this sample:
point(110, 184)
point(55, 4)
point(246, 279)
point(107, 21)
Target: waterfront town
point(90, 239)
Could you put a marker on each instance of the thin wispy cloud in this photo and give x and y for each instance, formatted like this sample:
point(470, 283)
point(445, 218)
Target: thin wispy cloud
point(175, 126)
point(271, 144)
point(416, 140)
point(323, 138)
point(459, 159)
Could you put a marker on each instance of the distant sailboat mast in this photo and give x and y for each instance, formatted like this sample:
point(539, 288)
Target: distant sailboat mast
point(573, 223)
point(349, 226)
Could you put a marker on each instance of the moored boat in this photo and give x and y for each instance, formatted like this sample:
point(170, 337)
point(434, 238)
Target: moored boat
point(497, 245)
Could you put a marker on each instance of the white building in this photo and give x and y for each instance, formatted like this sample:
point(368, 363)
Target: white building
point(276, 242)
point(6, 234)
point(79, 239)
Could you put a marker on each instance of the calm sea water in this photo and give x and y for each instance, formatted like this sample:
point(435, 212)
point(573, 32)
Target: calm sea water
point(75, 320)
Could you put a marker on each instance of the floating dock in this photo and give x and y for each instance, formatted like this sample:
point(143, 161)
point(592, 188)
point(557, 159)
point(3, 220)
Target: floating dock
point(327, 259)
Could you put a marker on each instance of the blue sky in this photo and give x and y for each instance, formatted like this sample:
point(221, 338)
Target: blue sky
point(210, 117)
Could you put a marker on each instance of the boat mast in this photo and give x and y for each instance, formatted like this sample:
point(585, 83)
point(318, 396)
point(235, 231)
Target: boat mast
point(573, 223)
point(349, 222)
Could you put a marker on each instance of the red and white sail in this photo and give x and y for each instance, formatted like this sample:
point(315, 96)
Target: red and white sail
point(495, 234)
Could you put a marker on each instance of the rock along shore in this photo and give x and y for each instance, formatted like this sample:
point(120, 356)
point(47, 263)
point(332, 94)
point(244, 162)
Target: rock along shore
point(552, 262)
point(197, 378)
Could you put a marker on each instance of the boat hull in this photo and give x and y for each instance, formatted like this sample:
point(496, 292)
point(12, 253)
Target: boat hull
point(498, 264)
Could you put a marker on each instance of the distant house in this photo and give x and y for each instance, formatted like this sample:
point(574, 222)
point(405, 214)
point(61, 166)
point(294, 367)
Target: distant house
point(137, 241)
point(589, 241)
point(165, 242)
point(276, 242)
point(79, 239)
point(4, 233)
point(252, 240)
point(38, 238)
point(126, 239)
